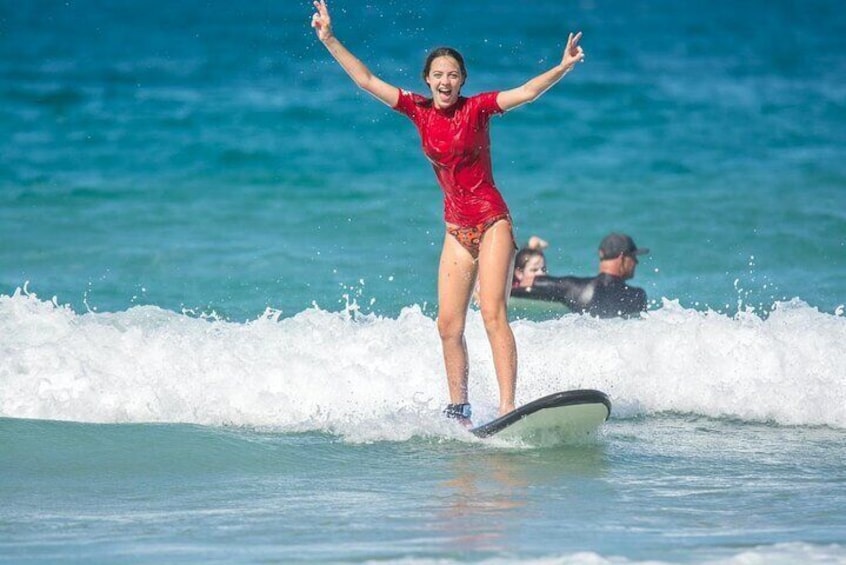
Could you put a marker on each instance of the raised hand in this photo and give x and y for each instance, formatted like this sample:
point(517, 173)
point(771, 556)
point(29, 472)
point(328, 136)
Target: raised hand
point(573, 53)
point(320, 21)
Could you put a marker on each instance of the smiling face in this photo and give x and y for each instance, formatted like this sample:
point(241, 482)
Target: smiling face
point(535, 266)
point(445, 79)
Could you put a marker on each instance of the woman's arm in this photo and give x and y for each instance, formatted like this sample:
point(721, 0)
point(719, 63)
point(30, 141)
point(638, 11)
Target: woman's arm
point(531, 91)
point(361, 75)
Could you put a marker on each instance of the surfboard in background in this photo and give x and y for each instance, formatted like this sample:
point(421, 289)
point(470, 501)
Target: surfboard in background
point(536, 310)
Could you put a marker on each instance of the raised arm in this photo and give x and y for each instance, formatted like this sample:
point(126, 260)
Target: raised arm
point(361, 75)
point(531, 91)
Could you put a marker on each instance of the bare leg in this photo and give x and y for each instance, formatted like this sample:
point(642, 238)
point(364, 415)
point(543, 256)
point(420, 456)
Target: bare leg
point(496, 264)
point(456, 276)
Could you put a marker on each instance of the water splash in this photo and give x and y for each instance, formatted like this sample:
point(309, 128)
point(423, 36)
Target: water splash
point(373, 377)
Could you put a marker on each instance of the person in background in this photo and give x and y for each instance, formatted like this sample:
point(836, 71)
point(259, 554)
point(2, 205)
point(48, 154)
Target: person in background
point(529, 263)
point(606, 295)
point(478, 238)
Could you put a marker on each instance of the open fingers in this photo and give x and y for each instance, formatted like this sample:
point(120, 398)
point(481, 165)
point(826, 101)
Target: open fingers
point(320, 19)
point(322, 10)
point(573, 41)
point(576, 38)
point(573, 50)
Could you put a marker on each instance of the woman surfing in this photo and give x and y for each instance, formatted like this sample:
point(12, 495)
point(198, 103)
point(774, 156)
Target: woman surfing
point(478, 238)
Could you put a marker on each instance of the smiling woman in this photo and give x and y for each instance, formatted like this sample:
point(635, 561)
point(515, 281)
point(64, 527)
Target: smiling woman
point(445, 73)
point(479, 240)
point(234, 356)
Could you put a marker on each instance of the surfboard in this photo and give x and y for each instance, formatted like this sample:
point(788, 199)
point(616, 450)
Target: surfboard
point(562, 417)
point(534, 309)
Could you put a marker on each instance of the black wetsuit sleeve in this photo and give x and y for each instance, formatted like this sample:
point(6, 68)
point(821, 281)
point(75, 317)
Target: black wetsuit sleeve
point(567, 290)
point(604, 296)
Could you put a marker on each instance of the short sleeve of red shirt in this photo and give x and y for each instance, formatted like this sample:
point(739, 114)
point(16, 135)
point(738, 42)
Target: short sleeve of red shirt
point(457, 143)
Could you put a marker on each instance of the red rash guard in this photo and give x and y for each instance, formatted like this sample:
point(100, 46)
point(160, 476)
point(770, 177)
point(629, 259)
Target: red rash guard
point(457, 142)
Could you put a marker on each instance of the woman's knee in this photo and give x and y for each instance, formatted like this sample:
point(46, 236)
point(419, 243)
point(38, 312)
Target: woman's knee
point(450, 327)
point(494, 314)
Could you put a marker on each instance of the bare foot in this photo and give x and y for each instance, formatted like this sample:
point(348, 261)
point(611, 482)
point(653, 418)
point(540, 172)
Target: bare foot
point(503, 410)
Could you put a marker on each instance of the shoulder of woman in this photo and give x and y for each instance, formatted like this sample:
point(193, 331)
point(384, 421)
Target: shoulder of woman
point(487, 101)
point(411, 104)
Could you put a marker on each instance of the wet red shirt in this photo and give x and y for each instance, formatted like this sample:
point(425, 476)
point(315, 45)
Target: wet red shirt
point(457, 143)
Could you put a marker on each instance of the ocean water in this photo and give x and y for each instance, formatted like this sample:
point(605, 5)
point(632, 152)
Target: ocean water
point(217, 286)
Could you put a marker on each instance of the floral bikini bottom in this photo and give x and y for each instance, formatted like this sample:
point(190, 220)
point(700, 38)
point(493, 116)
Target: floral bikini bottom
point(470, 237)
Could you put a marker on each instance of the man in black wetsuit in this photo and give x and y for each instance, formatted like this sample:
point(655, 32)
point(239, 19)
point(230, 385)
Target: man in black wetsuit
point(605, 295)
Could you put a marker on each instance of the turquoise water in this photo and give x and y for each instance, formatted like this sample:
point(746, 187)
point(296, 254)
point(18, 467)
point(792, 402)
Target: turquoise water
point(696, 492)
point(217, 286)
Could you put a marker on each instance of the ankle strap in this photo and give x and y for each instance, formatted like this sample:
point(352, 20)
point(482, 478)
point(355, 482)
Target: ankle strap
point(458, 411)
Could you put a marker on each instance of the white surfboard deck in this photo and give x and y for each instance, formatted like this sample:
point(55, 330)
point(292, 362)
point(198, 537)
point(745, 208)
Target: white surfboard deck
point(558, 418)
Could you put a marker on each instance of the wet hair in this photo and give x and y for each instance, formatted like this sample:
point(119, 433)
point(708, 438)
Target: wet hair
point(445, 52)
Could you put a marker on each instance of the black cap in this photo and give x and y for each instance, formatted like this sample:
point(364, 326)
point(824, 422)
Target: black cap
point(616, 244)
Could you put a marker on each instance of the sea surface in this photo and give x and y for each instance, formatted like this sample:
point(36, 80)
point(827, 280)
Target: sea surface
point(218, 285)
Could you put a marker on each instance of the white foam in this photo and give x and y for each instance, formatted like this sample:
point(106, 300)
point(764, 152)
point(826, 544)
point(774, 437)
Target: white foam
point(370, 377)
point(774, 554)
